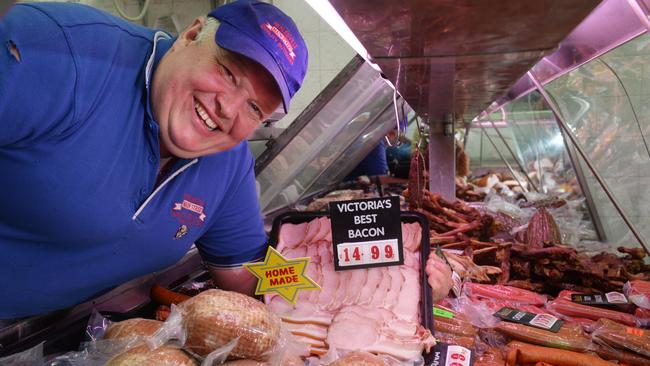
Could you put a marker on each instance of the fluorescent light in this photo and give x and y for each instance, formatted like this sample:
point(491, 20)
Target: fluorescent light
point(332, 17)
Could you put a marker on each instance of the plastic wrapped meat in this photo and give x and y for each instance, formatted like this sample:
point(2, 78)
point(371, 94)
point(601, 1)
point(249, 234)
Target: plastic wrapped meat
point(142, 355)
point(359, 359)
point(132, 328)
point(638, 292)
point(374, 310)
point(214, 317)
point(616, 335)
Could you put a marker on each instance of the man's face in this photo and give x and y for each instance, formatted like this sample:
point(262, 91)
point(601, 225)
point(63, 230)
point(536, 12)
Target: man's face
point(207, 99)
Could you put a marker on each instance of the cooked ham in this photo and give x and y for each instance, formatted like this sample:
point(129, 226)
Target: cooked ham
point(291, 235)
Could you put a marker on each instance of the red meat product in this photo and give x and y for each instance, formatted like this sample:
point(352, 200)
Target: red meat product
point(507, 293)
point(569, 337)
point(642, 317)
point(619, 336)
point(523, 354)
point(624, 357)
point(454, 326)
point(571, 309)
point(638, 292)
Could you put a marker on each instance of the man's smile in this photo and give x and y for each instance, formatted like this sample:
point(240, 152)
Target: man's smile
point(203, 115)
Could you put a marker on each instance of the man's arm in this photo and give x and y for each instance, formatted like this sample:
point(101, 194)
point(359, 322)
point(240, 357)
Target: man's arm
point(234, 279)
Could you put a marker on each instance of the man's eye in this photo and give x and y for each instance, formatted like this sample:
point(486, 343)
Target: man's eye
point(256, 110)
point(229, 74)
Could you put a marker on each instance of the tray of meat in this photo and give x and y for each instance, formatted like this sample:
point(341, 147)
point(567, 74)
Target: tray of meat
point(381, 310)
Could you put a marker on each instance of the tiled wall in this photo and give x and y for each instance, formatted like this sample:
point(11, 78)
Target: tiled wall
point(328, 53)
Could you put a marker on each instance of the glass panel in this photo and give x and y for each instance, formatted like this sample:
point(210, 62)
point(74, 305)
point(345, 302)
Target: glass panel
point(528, 139)
point(324, 142)
point(604, 104)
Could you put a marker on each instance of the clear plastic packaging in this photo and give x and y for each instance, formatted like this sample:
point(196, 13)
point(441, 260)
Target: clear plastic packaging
point(214, 318)
point(616, 335)
point(569, 337)
point(638, 292)
point(29, 357)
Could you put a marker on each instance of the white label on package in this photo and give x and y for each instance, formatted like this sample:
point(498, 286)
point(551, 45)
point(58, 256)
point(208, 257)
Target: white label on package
point(458, 356)
point(615, 298)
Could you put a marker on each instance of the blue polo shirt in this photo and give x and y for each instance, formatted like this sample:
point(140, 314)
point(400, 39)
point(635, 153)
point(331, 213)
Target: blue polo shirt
point(80, 211)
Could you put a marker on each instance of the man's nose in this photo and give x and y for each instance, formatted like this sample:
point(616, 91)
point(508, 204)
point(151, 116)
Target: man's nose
point(229, 103)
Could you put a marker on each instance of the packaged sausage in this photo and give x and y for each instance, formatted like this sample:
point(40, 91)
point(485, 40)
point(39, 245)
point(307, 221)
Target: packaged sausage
point(569, 337)
point(617, 335)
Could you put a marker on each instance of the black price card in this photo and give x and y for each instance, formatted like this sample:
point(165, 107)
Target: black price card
point(610, 298)
point(451, 355)
point(366, 233)
point(542, 321)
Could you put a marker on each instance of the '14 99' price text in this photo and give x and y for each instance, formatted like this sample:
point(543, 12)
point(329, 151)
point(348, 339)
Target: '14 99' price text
point(352, 254)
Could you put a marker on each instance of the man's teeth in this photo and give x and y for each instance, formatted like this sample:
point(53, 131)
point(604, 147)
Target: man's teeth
point(204, 116)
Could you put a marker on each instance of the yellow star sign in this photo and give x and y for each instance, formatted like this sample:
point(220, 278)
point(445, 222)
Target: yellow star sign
point(282, 276)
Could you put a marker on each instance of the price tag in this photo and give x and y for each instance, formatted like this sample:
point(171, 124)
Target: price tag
point(442, 313)
point(366, 233)
point(451, 355)
point(354, 254)
point(610, 298)
point(543, 321)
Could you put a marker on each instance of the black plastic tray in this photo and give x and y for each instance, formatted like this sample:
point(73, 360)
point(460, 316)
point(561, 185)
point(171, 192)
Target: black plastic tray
point(426, 304)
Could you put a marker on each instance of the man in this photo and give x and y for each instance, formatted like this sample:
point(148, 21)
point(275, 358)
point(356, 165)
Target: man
point(122, 147)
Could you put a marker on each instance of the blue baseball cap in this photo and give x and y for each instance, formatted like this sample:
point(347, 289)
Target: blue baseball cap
point(263, 33)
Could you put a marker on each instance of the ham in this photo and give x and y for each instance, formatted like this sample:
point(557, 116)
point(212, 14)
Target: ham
point(291, 235)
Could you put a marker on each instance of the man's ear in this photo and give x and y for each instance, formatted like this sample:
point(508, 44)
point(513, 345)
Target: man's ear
point(191, 33)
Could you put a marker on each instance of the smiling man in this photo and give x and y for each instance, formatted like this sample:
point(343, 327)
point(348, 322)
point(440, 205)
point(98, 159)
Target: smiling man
point(122, 147)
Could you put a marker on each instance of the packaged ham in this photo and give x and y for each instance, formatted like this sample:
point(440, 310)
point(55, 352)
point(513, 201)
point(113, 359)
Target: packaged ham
point(163, 356)
point(376, 310)
point(215, 318)
point(360, 359)
point(569, 337)
point(638, 292)
point(135, 327)
point(616, 335)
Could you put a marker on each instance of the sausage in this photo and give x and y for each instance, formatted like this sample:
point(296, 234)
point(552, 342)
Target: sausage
point(569, 337)
point(521, 353)
point(572, 309)
point(167, 297)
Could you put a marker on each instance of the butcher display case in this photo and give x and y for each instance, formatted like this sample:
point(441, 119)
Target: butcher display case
point(595, 85)
point(568, 117)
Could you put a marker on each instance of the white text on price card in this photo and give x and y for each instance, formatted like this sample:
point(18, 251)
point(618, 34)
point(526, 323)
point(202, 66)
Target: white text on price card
point(368, 252)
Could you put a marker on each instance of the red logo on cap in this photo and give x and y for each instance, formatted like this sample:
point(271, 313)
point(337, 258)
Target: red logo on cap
point(283, 39)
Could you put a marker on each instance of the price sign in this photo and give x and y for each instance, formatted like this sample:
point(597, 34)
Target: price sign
point(543, 321)
point(451, 355)
point(366, 233)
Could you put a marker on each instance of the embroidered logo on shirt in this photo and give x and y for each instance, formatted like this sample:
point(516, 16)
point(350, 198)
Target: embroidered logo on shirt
point(190, 211)
point(182, 230)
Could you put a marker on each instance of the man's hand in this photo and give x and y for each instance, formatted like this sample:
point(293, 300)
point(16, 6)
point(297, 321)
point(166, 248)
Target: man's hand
point(234, 279)
point(439, 276)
